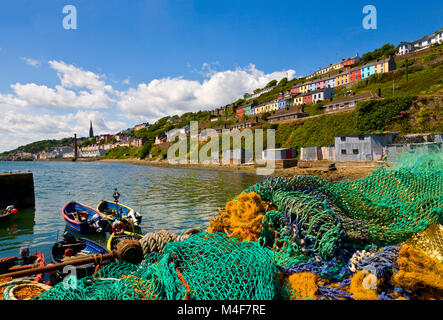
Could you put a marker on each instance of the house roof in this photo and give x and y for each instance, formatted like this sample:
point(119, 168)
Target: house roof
point(357, 97)
point(286, 114)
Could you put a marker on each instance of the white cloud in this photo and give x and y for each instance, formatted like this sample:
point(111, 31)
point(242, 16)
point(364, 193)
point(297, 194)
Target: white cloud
point(170, 96)
point(78, 89)
point(35, 112)
point(127, 81)
point(32, 62)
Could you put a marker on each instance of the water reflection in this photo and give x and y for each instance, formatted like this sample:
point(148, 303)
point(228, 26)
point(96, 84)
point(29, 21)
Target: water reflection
point(171, 199)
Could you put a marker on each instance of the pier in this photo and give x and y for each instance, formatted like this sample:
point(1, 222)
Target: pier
point(17, 189)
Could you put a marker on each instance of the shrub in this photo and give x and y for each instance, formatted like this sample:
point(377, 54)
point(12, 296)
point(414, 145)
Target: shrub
point(377, 114)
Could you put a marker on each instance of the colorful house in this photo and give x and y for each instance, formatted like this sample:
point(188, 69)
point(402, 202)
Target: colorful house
point(355, 75)
point(351, 61)
point(342, 79)
point(260, 108)
point(299, 100)
point(367, 70)
point(322, 94)
point(281, 104)
point(240, 112)
point(386, 65)
point(272, 106)
point(331, 83)
point(307, 98)
point(304, 88)
point(312, 86)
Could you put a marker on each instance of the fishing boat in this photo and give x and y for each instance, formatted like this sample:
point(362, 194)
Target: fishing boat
point(7, 214)
point(71, 248)
point(22, 262)
point(114, 239)
point(84, 219)
point(117, 211)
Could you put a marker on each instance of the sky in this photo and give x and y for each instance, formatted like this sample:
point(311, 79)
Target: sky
point(129, 62)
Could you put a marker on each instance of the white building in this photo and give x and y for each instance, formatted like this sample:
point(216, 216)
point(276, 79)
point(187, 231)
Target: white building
point(423, 43)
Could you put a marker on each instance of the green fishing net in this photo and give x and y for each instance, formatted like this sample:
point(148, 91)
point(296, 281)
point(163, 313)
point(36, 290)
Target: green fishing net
point(317, 228)
point(386, 208)
point(204, 267)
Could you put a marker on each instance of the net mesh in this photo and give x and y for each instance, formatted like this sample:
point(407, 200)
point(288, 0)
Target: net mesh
point(204, 267)
point(299, 238)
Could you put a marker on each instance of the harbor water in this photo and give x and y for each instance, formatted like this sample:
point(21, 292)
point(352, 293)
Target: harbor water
point(169, 199)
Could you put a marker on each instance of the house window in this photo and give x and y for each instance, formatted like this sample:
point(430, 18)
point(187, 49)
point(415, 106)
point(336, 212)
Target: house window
point(355, 151)
point(343, 151)
point(343, 139)
point(360, 137)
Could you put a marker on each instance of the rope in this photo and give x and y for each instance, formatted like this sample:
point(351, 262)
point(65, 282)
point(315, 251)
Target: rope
point(156, 242)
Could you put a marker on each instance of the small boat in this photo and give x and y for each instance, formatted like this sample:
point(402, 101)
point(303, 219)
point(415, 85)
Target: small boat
point(7, 214)
point(114, 239)
point(84, 219)
point(22, 262)
point(71, 248)
point(117, 211)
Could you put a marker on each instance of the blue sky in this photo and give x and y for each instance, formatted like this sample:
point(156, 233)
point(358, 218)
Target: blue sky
point(132, 54)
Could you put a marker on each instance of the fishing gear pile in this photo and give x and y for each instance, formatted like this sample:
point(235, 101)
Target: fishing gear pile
point(377, 238)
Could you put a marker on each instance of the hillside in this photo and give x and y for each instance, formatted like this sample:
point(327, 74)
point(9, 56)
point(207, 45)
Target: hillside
point(414, 104)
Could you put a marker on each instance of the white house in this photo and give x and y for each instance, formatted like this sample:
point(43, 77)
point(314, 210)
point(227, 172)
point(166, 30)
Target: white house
point(404, 48)
point(425, 42)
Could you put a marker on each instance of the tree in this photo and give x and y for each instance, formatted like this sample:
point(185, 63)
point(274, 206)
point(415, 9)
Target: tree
point(283, 82)
point(271, 84)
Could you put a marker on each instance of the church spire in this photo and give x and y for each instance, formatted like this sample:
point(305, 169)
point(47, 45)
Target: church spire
point(91, 131)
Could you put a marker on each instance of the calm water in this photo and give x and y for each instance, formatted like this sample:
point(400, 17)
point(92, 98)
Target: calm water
point(170, 199)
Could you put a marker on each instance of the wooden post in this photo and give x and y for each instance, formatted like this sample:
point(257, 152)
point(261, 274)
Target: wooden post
point(75, 147)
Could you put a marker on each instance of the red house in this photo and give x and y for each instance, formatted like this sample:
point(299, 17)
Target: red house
point(355, 75)
point(240, 112)
point(307, 99)
point(295, 90)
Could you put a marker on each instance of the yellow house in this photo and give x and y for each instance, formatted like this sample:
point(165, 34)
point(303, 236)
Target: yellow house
point(382, 66)
point(260, 109)
point(298, 101)
point(272, 106)
point(304, 88)
point(342, 79)
point(337, 66)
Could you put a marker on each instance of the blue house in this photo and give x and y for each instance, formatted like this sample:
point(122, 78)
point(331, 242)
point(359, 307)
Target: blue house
point(281, 104)
point(367, 71)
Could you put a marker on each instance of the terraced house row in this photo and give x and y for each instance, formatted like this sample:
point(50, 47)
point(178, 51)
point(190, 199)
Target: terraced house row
point(320, 89)
point(336, 66)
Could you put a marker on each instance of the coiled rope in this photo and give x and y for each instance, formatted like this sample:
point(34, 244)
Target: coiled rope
point(156, 242)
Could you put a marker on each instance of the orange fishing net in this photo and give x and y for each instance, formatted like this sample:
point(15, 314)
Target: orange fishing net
point(419, 274)
point(243, 217)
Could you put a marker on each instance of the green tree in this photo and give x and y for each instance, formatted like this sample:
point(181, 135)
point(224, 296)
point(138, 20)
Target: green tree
point(271, 84)
point(283, 82)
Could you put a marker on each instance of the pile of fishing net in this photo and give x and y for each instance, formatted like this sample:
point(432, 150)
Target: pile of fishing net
point(379, 237)
point(204, 267)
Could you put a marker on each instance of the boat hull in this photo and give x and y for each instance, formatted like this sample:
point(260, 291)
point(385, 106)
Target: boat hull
point(83, 245)
point(83, 227)
point(121, 211)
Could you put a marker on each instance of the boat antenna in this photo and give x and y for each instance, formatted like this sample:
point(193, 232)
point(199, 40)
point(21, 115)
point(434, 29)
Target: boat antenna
point(116, 195)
